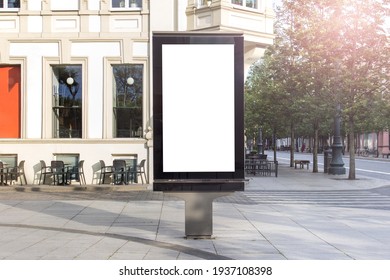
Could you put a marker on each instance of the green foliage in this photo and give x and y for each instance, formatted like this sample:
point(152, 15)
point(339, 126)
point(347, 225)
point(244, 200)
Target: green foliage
point(326, 52)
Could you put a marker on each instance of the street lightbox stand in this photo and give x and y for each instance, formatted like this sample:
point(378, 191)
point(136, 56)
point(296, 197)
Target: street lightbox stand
point(198, 119)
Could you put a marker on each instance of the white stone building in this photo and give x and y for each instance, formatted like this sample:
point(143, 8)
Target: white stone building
point(75, 75)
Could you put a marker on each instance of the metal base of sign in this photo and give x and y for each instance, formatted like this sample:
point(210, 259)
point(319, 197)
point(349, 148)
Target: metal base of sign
point(198, 212)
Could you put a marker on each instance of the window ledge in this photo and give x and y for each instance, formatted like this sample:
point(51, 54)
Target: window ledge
point(125, 9)
point(248, 9)
point(7, 10)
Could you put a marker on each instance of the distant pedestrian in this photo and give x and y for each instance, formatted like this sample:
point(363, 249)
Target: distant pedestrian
point(303, 147)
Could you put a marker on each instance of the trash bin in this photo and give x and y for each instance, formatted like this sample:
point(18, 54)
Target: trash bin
point(327, 160)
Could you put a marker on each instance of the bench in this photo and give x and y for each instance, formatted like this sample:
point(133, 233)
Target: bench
point(386, 154)
point(301, 163)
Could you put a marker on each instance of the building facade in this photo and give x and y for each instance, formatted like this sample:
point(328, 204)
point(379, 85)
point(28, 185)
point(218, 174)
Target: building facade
point(75, 75)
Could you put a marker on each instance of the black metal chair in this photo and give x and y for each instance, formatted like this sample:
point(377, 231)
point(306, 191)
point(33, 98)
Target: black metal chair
point(76, 173)
point(45, 170)
point(120, 172)
point(104, 170)
point(17, 172)
point(140, 170)
point(3, 174)
point(58, 169)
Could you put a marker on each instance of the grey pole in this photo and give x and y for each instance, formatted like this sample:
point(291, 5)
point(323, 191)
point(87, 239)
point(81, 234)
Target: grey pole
point(337, 164)
point(260, 142)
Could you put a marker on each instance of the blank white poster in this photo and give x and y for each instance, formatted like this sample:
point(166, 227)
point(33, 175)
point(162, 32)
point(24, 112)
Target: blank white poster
point(198, 108)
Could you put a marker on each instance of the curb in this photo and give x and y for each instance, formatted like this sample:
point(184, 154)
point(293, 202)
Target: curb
point(70, 188)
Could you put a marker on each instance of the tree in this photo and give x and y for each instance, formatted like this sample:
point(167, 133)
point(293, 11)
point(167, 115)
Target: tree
point(327, 53)
point(342, 39)
point(362, 54)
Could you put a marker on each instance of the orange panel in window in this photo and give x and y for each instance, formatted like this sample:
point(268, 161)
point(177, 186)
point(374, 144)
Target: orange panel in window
point(9, 101)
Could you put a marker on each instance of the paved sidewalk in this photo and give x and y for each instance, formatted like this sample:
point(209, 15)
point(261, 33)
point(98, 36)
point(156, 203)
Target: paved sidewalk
point(298, 215)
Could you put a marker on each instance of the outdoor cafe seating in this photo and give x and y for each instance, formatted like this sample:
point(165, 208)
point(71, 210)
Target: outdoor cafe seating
point(122, 172)
point(45, 171)
point(258, 164)
point(104, 171)
point(140, 170)
point(10, 174)
point(76, 173)
point(3, 174)
point(59, 172)
point(17, 173)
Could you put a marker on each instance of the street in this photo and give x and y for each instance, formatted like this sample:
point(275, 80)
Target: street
point(367, 167)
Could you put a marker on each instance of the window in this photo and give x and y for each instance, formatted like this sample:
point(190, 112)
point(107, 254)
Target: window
point(67, 101)
point(128, 100)
point(61, 5)
point(10, 101)
point(68, 159)
point(126, 4)
point(246, 3)
point(203, 3)
point(9, 4)
point(9, 160)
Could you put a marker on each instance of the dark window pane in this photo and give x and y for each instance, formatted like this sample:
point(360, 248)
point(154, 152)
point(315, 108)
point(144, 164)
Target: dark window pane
point(118, 3)
point(13, 3)
point(126, 3)
point(67, 101)
point(128, 100)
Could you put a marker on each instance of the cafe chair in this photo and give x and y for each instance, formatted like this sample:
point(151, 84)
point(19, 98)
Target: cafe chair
point(17, 173)
point(59, 172)
point(104, 170)
point(120, 172)
point(77, 173)
point(3, 174)
point(140, 170)
point(45, 171)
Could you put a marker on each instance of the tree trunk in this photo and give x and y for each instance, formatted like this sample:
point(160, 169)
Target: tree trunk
point(352, 168)
point(315, 148)
point(377, 147)
point(292, 149)
point(274, 144)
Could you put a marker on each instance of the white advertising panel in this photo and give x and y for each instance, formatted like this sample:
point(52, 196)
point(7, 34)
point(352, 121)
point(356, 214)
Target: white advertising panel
point(198, 108)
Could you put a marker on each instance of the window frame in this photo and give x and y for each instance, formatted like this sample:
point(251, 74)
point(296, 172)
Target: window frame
point(127, 6)
point(5, 7)
point(53, 103)
point(244, 4)
point(113, 107)
point(69, 159)
point(10, 159)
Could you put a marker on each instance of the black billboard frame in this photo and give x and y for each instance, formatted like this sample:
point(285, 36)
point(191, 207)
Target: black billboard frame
point(198, 181)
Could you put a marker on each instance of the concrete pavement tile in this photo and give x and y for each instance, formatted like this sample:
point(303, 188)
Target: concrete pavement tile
point(237, 235)
point(85, 227)
point(224, 247)
point(135, 220)
point(184, 257)
point(249, 256)
point(128, 256)
point(161, 254)
point(93, 256)
point(379, 254)
point(66, 253)
point(104, 249)
point(201, 244)
point(147, 232)
point(303, 255)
